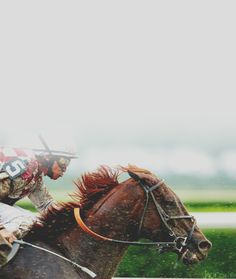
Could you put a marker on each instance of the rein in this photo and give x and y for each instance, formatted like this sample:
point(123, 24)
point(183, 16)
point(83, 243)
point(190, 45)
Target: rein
point(84, 269)
point(178, 243)
point(100, 237)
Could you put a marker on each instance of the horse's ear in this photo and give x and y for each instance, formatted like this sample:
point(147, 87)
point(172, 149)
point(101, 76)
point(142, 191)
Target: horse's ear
point(134, 175)
point(141, 177)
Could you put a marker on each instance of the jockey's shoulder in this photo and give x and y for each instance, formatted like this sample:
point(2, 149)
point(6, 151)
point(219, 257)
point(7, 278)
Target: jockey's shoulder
point(9, 153)
point(13, 159)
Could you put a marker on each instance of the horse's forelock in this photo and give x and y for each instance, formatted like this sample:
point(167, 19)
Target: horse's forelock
point(134, 168)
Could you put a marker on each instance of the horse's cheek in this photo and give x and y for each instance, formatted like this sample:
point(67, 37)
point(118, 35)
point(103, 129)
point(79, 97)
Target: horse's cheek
point(152, 223)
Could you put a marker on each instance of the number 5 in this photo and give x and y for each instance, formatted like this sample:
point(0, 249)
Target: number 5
point(15, 168)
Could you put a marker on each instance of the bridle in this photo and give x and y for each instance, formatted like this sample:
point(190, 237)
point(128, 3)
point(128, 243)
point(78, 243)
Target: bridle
point(178, 243)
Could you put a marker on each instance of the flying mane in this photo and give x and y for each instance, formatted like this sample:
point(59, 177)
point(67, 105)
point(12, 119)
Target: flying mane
point(93, 185)
point(90, 188)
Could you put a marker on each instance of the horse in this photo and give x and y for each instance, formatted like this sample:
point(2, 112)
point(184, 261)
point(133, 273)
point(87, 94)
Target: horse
point(103, 219)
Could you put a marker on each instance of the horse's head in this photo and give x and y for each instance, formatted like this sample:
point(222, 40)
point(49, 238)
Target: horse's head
point(164, 218)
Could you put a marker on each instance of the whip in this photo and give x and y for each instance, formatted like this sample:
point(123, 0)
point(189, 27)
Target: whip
point(84, 269)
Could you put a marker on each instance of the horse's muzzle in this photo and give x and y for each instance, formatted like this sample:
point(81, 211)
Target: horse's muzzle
point(191, 257)
point(204, 246)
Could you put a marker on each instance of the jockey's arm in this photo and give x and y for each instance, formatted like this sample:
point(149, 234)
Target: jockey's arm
point(4, 192)
point(41, 197)
point(5, 187)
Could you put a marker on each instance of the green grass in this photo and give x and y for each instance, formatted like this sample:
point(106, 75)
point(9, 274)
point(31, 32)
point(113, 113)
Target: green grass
point(201, 200)
point(61, 187)
point(212, 206)
point(146, 262)
point(191, 206)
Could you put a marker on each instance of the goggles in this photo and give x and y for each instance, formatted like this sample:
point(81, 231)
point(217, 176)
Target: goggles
point(63, 163)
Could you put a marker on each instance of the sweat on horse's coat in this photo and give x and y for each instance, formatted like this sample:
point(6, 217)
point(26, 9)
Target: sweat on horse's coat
point(111, 209)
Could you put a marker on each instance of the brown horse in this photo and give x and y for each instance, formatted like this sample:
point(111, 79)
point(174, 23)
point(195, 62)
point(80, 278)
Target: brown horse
point(116, 215)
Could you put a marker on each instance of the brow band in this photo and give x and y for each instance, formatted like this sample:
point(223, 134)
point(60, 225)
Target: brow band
point(156, 186)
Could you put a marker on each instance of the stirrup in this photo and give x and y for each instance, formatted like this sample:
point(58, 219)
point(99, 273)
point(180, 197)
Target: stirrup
point(5, 246)
point(8, 257)
point(3, 259)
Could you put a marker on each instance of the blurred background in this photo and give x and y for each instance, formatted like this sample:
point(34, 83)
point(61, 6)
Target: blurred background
point(147, 83)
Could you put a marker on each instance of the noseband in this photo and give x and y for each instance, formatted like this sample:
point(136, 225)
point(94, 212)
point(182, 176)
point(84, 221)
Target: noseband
point(178, 243)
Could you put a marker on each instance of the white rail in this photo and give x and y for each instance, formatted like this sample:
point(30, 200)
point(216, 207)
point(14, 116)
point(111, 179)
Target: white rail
point(215, 219)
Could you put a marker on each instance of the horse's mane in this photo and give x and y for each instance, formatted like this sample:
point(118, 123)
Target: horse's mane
point(90, 188)
point(93, 185)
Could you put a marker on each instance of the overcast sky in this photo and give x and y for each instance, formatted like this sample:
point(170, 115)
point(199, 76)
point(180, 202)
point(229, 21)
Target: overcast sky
point(122, 75)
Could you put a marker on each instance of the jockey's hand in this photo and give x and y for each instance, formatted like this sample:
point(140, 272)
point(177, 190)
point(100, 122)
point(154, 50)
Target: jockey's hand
point(9, 236)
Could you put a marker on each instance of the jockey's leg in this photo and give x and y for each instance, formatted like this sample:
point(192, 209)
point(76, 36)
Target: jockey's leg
point(5, 249)
point(15, 220)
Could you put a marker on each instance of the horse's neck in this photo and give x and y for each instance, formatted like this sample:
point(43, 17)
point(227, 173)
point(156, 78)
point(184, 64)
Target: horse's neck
point(99, 256)
point(111, 218)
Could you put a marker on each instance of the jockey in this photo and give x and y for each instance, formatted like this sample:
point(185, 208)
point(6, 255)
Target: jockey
point(21, 175)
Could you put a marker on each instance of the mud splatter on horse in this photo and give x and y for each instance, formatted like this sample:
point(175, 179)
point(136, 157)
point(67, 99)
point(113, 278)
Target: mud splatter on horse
point(114, 215)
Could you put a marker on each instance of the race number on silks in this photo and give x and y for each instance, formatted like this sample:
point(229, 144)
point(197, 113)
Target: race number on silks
point(15, 167)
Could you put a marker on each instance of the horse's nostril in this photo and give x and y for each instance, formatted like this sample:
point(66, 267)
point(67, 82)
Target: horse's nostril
point(204, 245)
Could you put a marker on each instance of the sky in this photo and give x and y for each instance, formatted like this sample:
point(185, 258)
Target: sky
point(145, 82)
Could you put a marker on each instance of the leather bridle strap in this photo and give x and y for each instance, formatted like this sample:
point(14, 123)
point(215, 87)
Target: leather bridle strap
point(156, 186)
point(164, 217)
point(97, 236)
point(147, 192)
